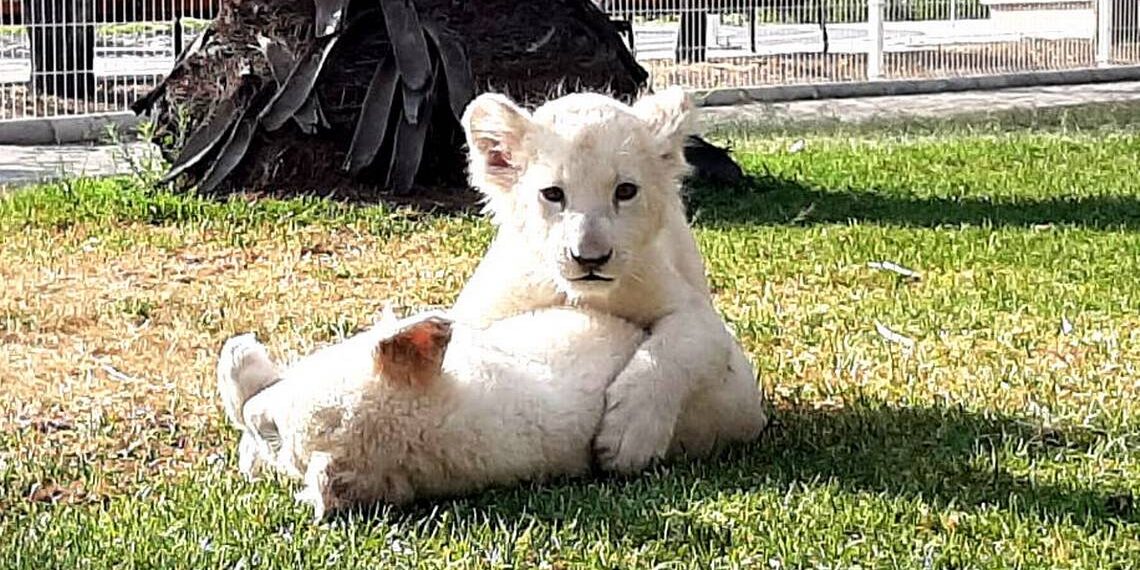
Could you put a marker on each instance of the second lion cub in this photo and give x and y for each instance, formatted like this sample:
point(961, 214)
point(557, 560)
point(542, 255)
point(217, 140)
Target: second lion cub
point(585, 194)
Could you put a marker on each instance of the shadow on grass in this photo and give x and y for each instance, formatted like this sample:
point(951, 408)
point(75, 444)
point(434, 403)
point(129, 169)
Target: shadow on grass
point(943, 456)
point(770, 200)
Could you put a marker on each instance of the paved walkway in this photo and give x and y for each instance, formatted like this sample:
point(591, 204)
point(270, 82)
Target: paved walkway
point(936, 105)
point(26, 164)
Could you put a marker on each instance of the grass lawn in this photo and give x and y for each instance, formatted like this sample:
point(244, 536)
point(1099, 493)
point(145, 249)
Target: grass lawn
point(999, 429)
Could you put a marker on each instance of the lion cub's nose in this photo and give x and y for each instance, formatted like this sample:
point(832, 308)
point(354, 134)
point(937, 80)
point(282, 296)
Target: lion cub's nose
point(592, 263)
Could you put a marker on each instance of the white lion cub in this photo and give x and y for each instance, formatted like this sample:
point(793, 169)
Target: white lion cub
point(426, 407)
point(586, 196)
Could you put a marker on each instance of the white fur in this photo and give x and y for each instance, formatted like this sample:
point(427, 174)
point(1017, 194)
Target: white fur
point(520, 399)
point(689, 386)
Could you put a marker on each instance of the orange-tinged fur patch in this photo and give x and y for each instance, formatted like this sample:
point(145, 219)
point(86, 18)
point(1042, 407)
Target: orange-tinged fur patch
point(413, 356)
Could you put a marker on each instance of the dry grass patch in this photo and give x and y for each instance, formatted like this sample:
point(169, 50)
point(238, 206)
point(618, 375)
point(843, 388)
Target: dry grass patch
point(110, 337)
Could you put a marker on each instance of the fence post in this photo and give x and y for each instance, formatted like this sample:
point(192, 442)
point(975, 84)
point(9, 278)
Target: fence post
point(179, 38)
point(875, 10)
point(1103, 32)
point(752, 26)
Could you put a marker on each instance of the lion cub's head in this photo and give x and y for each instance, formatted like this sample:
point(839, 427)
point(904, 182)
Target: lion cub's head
point(583, 182)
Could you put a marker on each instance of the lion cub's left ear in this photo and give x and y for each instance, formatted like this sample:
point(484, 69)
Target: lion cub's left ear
point(413, 354)
point(670, 117)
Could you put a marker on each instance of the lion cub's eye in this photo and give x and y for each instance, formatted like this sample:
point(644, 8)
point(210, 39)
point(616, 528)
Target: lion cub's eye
point(553, 194)
point(625, 192)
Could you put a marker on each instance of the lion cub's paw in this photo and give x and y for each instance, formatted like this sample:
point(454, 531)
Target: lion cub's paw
point(244, 369)
point(250, 458)
point(318, 490)
point(243, 355)
point(632, 436)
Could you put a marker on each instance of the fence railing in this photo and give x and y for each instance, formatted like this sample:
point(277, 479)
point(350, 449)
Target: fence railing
point(64, 57)
point(706, 44)
point(74, 57)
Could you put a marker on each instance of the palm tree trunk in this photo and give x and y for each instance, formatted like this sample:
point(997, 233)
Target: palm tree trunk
point(361, 98)
point(280, 97)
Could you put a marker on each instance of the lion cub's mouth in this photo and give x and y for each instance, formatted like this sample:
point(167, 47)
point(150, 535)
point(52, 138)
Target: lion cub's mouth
point(593, 277)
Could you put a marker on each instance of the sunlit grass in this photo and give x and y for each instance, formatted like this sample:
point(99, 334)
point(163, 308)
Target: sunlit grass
point(1000, 431)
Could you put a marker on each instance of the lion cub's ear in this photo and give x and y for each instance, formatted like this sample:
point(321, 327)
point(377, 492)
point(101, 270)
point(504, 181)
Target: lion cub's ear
point(670, 117)
point(495, 129)
point(413, 354)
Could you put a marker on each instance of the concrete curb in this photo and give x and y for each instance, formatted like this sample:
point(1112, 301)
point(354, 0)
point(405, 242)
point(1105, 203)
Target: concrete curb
point(780, 93)
point(65, 130)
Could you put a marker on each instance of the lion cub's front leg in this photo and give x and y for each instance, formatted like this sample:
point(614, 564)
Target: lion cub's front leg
point(643, 404)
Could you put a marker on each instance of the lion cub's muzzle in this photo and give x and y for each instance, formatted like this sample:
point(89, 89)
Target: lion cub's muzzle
point(588, 266)
point(588, 250)
point(591, 265)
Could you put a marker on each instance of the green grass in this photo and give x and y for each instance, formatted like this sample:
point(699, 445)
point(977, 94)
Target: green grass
point(998, 441)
